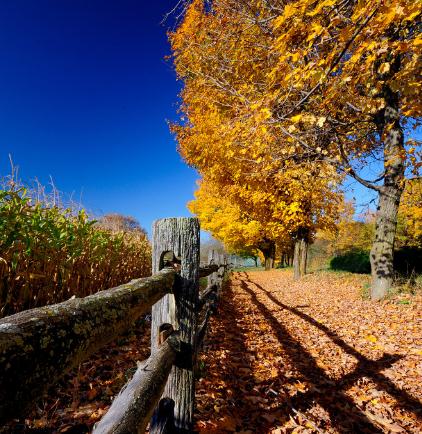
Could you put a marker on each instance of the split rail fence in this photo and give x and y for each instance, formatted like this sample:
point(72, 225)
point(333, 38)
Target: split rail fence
point(38, 346)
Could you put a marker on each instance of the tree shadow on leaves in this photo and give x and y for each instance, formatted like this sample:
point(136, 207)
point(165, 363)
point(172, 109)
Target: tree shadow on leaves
point(345, 415)
point(238, 405)
point(366, 367)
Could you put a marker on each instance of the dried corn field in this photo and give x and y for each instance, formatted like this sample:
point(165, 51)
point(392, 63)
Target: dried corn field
point(49, 253)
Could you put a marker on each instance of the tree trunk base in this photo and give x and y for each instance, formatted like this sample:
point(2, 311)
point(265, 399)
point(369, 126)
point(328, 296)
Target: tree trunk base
point(380, 287)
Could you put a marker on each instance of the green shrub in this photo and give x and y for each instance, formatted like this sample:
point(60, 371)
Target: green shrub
point(407, 261)
point(356, 261)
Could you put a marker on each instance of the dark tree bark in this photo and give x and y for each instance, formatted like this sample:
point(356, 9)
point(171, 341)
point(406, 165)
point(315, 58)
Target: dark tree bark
point(391, 132)
point(296, 260)
point(290, 259)
point(267, 248)
point(300, 255)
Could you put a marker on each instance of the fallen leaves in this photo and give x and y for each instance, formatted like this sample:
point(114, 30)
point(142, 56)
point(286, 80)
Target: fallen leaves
point(83, 397)
point(310, 356)
point(281, 356)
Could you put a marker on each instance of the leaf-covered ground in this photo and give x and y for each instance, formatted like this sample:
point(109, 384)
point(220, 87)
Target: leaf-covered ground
point(310, 356)
point(84, 395)
point(280, 356)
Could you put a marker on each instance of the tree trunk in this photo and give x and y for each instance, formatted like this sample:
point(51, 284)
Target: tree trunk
point(303, 256)
point(383, 247)
point(268, 250)
point(269, 263)
point(300, 253)
point(382, 251)
point(284, 260)
point(296, 260)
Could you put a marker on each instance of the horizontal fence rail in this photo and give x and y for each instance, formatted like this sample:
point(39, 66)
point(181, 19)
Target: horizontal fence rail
point(133, 407)
point(208, 269)
point(209, 293)
point(38, 346)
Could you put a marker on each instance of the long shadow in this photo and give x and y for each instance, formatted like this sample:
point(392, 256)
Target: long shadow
point(236, 369)
point(344, 413)
point(365, 367)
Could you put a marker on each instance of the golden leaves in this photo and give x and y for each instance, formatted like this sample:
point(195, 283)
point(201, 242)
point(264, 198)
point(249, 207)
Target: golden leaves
point(298, 342)
point(320, 6)
point(260, 100)
point(384, 68)
point(371, 338)
point(321, 121)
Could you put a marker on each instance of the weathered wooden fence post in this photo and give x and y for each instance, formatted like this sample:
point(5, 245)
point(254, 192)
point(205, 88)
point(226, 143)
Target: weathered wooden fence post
point(220, 273)
point(212, 260)
point(176, 244)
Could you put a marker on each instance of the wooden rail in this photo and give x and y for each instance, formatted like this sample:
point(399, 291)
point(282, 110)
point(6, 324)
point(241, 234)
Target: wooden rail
point(207, 294)
point(38, 346)
point(208, 269)
point(133, 407)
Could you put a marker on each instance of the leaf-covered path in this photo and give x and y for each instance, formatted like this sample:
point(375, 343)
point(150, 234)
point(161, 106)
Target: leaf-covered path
point(310, 356)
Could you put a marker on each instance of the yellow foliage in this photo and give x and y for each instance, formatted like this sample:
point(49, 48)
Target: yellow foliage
point(409, 231)
point(276, 101)
point(349, 234)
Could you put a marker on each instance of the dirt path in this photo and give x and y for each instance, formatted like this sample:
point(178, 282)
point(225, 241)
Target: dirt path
point(310, 356)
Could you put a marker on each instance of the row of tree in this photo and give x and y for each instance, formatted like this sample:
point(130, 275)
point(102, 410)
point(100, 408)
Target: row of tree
point(282, 100)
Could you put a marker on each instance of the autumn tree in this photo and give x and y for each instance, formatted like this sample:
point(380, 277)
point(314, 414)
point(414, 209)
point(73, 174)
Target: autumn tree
point(231, 147)
point(120, 223)
point(410, 215)
point(227, 222)
point(350, 233)
point(264, 217)
point(276, 84)
point(351, 70)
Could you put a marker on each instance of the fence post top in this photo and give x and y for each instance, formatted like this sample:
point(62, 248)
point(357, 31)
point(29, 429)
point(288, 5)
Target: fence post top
point(175, 218)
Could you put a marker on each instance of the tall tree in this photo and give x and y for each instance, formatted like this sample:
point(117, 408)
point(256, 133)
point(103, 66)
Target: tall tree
point(272, 214)
point(274, 84)
point(231, 147)
point(351, 72)
point(226, 221)
point(121, 223)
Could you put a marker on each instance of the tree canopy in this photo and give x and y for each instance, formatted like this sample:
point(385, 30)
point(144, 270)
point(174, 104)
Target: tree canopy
point(277, 91)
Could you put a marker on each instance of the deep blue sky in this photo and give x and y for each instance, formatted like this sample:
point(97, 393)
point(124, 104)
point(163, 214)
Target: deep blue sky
point(85, 94)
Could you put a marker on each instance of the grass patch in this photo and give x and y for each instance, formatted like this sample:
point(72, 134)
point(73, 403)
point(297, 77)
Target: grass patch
point(365, 291)
point(203, 283)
